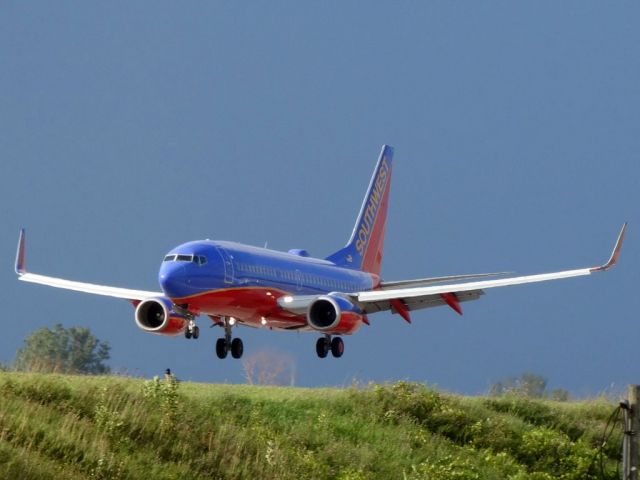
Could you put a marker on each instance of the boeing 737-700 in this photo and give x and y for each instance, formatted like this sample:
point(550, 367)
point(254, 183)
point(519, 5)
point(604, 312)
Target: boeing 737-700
point(235, 284)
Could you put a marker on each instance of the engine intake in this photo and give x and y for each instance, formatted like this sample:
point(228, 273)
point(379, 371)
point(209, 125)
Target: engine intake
point(156, 315)
point(334, 314)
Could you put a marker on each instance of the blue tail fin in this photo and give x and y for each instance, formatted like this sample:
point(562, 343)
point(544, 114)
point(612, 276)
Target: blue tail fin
point(364, 249)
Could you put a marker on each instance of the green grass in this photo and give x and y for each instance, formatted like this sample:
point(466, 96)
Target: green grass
point(59, 426)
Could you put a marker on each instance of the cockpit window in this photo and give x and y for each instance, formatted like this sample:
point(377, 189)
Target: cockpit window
point(199, 259)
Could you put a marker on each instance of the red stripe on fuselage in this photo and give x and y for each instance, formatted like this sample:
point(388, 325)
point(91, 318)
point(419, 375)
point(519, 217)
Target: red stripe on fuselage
point(248, 304)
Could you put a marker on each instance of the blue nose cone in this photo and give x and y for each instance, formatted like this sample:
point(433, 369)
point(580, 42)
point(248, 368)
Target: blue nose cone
point(173, 280)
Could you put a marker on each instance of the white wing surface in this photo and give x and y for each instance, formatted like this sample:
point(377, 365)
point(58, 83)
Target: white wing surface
point(451, 294)
point(421, 293)
point(125, 293)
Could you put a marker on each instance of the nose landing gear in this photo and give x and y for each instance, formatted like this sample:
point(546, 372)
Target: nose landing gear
point(326, 344)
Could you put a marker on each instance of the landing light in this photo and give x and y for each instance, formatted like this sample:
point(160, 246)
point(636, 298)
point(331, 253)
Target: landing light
point(232, 321)
point(269, 293)
point(287, 299)
point(263, 321)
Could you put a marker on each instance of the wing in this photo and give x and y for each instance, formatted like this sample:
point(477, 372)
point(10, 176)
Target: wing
point(421, 282)
point(416, 295)
point(128, 294)
point(402, 300)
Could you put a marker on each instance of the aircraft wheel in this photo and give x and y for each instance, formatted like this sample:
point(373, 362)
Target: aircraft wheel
point(337, 347)
point(221, 348)
point(322, 347)
point(187, 333)
point(196, 332)
point(237, 348)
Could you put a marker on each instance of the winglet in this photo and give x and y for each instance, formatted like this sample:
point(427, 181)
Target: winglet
point(615, 253)
point(20, 261)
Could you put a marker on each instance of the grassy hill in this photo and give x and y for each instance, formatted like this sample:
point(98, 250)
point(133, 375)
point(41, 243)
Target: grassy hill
point(73, 427)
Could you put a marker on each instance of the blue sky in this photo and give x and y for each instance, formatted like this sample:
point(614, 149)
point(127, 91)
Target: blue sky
point(126, 129)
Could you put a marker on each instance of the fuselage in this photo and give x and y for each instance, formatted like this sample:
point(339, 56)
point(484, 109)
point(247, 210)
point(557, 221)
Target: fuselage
point(220, 278)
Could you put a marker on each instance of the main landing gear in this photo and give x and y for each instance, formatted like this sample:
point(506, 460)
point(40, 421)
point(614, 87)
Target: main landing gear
point(192, 330)
point(227, 344)
point(326, 344)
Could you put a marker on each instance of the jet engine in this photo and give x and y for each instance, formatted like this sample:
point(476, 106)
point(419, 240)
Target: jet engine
point(156, 315)
point(334, 314)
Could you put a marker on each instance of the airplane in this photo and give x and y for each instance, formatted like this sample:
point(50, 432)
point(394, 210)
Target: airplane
point(235, 284)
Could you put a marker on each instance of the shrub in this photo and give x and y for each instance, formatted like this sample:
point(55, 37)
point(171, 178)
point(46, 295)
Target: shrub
point(165, 394)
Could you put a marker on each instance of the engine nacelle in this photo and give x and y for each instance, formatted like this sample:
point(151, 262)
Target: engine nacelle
point(156, 315)
point(334, 314)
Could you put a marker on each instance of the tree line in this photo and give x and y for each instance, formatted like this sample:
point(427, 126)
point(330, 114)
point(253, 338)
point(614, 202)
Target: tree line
point(75, 350)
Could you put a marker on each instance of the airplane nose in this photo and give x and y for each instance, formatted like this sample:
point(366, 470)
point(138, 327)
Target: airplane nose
point(172, 281)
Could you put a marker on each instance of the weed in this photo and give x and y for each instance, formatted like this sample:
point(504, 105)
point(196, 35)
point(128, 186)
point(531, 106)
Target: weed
point(55, 426)
point(165, 394)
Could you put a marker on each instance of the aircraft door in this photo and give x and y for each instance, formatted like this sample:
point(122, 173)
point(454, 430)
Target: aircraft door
point(227, 262)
